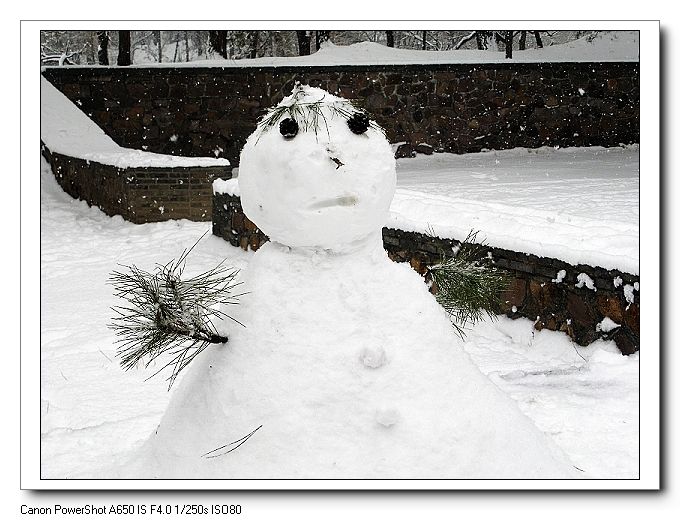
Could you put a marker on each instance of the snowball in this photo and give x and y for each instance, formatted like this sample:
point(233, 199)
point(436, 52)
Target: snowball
point(326, 187)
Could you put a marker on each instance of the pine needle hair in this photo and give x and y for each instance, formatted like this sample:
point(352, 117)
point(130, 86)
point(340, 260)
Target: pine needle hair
point(310, 115)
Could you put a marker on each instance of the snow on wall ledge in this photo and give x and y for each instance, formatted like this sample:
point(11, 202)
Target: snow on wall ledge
point(578, 299)
point(608, 245)
point(65, 129)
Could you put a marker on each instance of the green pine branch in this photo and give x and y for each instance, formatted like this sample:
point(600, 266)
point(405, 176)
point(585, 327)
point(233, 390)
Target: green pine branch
point(468, 286)
point(167, 314)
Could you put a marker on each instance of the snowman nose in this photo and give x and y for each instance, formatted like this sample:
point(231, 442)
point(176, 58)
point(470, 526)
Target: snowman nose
point(332, 154)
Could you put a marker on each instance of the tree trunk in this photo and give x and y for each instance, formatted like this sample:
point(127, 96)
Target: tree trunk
point(218, 42)
point(124, 52)
point(160, 46)
point(390, 39)
point(424, 40)
point(508, 44)
point(103, 47)
point(304, 42)
point(253, 44)
point(176, 54)
point(537, 36)
point(522, 40)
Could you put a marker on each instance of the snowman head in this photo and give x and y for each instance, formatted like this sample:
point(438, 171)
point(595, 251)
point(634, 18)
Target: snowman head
point(317, 173)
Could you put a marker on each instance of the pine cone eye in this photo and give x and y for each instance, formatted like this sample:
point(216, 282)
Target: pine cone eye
point(358, 123)
point(288, 128)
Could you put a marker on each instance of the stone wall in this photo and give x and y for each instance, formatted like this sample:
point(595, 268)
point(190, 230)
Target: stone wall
point(459, 108)
point(554, 294)
point(139, 195)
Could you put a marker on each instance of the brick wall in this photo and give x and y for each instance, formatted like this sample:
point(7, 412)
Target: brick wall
point(139, 195)
point(199, 111)
point(545, 290)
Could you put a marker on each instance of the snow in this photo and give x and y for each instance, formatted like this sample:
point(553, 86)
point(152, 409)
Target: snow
point(629, 293)
point(561, 274)
point(607, 325)
point(92, 411)
point(579, 205)
point(67, 130)
point(584, 280)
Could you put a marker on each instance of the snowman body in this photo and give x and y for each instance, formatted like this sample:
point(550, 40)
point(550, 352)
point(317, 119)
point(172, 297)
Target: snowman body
point(346, 367)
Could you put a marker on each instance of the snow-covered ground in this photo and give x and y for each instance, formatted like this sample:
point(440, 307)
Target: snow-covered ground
point(580, 205)
point(91, 410)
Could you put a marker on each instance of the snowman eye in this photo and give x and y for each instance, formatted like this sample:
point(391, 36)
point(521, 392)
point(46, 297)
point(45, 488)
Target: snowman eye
point(358, 123)
point(288, 128)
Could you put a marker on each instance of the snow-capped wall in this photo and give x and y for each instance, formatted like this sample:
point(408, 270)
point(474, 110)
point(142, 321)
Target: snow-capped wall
point(138, 194)
point(452, 107)
point(138, 185)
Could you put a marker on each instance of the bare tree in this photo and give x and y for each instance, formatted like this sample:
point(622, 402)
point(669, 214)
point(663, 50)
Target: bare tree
point(508, 44)
point(157, 36)
point(103, 47)
point(480, 37)
point(124, 49)
point(218, 42)
point(537, 36)
point(66, 47)
point(523, 39)
point(304, 42)
point(254, 38)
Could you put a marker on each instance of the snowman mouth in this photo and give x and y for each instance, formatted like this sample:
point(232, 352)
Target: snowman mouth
point(345, 200)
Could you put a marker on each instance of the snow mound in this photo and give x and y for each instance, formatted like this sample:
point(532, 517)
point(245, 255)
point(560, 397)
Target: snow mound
point(296, 385)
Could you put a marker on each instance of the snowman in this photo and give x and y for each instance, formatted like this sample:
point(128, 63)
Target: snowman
point(345, 366)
